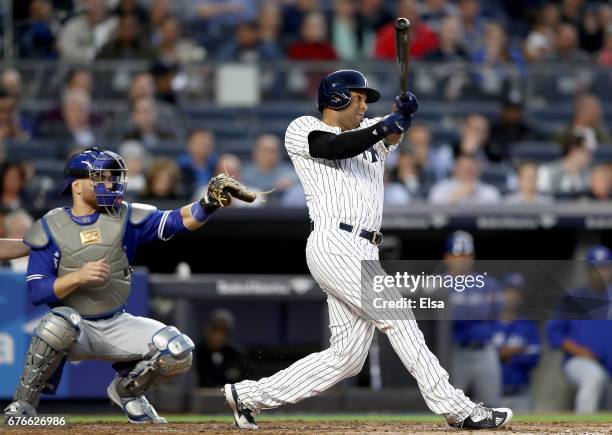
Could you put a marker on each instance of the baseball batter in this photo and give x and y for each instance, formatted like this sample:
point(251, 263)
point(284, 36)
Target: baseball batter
point(340, 160)
point(79, 266)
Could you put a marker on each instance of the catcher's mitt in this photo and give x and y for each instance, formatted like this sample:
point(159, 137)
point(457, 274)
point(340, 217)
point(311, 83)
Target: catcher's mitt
point(222, 188)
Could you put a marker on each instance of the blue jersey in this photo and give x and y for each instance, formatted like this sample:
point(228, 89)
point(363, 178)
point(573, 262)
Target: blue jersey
point(593, 334)
point(43, 263)
point(585, 303)
point(518, 333)
point(474, 311)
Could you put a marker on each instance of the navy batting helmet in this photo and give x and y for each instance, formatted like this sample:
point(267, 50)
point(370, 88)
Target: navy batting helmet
point(334, 90)
point(460, 243)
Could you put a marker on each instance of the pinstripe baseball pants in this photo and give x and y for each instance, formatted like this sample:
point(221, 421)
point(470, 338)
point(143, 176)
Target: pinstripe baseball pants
point(334, 259)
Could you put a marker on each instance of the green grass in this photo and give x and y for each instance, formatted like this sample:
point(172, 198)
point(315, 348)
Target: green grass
point(412, 418)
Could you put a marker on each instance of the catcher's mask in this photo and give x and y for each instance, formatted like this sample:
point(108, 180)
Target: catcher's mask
point(105, 170)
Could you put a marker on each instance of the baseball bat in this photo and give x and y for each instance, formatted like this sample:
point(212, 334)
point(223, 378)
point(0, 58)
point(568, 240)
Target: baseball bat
point(13, 248)
point(402, 47)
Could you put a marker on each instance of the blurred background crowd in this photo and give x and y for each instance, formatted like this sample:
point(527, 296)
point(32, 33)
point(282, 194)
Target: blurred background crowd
point(138, 76)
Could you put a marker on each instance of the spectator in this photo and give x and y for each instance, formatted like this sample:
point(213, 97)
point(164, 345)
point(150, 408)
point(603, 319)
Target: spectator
point(82, 36)
point(129, 43)
point(131, 7)
point(475, 368)
point(601, 183)
point(566, 46)
point(136, 160)
point(423, 39)
point(568, 176)
point(266, 172)
point(371, 17)
point(269, 21)
point(590, 32)
point(16, 224)
point(144, 126)
point(313, 43)
point(198, 164)
point(518, 343)
point(465, 187)
point(218, 359)
point(474, 137)
point(164, 75)
point(540, 42)
point(79, 79)
point(434, 12)
point(163, 180)
point(571, 11)
point(344, 32)
point(499, 63)
point(13, 125)
point(604, 57)
point(76, 130)
point(408, 180)
point(293, 14)
point(435, 163)
point(219, 16)
point(527, 187)
point(587, 122)
point(472, 23)
point(143, 85)
point(172, 49)
point(450, 48)
point(246, 46)
point(586, 344)
point(38, 38)
point(511, 127)
point(159, 11)
point(12, 186)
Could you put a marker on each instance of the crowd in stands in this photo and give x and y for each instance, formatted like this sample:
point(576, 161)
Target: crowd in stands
point(476, 164)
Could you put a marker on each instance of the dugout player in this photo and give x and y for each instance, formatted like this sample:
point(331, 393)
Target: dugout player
point(340, 160)
point(79, 266)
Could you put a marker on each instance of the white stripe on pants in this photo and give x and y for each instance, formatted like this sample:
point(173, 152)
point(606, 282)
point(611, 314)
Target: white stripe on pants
point(334, 259)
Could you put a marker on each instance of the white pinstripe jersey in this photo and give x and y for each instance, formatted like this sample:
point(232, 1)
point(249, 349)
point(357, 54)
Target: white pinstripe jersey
point(348, 190)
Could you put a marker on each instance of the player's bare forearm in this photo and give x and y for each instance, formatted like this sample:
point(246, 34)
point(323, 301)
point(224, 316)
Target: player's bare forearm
point(189, 221)
point(393, 139)
point(93, 272)
point(65, 285)
point(13, 248)
point(576, 349)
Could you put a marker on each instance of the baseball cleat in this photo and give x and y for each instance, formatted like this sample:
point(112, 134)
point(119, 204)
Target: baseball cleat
point(137, 409)
point(485, 418)
point(19, 408)
point(243, 416)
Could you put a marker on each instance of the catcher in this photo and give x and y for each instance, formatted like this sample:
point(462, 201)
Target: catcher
point(79, 266)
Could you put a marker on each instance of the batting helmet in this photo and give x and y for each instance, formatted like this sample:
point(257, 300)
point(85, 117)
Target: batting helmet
point(460, 243)
point(599, 256)
point(334, 90)
point(105, 169)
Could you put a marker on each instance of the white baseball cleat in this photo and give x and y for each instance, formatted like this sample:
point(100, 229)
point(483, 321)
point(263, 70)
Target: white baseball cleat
point(484, 418)
point(137, 409)
point(243, 416)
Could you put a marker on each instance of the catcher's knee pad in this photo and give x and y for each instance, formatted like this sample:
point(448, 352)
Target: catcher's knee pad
point(170, 356)
point(56, 333)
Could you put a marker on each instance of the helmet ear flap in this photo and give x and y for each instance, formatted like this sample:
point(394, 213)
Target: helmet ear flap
point(339, 100)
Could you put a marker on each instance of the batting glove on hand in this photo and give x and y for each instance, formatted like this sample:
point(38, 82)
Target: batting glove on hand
point(406, 103)
point(395, 123)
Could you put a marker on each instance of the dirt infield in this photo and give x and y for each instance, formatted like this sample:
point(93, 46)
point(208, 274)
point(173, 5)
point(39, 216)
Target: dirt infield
point(301, 427)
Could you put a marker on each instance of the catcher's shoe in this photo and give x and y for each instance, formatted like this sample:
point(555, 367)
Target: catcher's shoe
point(137, 409)
point(484, 418)
point(19, 408)
point(243, 416)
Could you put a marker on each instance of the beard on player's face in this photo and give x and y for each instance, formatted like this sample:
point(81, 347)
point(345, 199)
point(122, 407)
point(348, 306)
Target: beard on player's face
point(353, 114)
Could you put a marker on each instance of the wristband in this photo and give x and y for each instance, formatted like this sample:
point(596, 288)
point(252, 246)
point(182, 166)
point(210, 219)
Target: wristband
point(201, 212)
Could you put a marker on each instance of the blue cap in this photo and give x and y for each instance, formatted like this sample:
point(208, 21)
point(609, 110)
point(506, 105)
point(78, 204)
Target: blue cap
point(460, 243)
point(513, 280)
point(599, 255)
point(78, 166)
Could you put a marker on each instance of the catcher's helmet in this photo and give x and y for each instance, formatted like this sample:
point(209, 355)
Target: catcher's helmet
point(599, 256)
point(334, 90)
point(105, 169)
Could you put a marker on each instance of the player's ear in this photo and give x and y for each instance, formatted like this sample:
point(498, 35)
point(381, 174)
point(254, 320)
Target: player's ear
point(77, 187)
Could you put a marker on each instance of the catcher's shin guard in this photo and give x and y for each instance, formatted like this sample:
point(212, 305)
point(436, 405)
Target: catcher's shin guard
point(170, 356)
point(56, 333)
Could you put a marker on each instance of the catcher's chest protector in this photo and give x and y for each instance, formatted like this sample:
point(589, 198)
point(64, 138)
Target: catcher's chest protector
point(80, 244)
